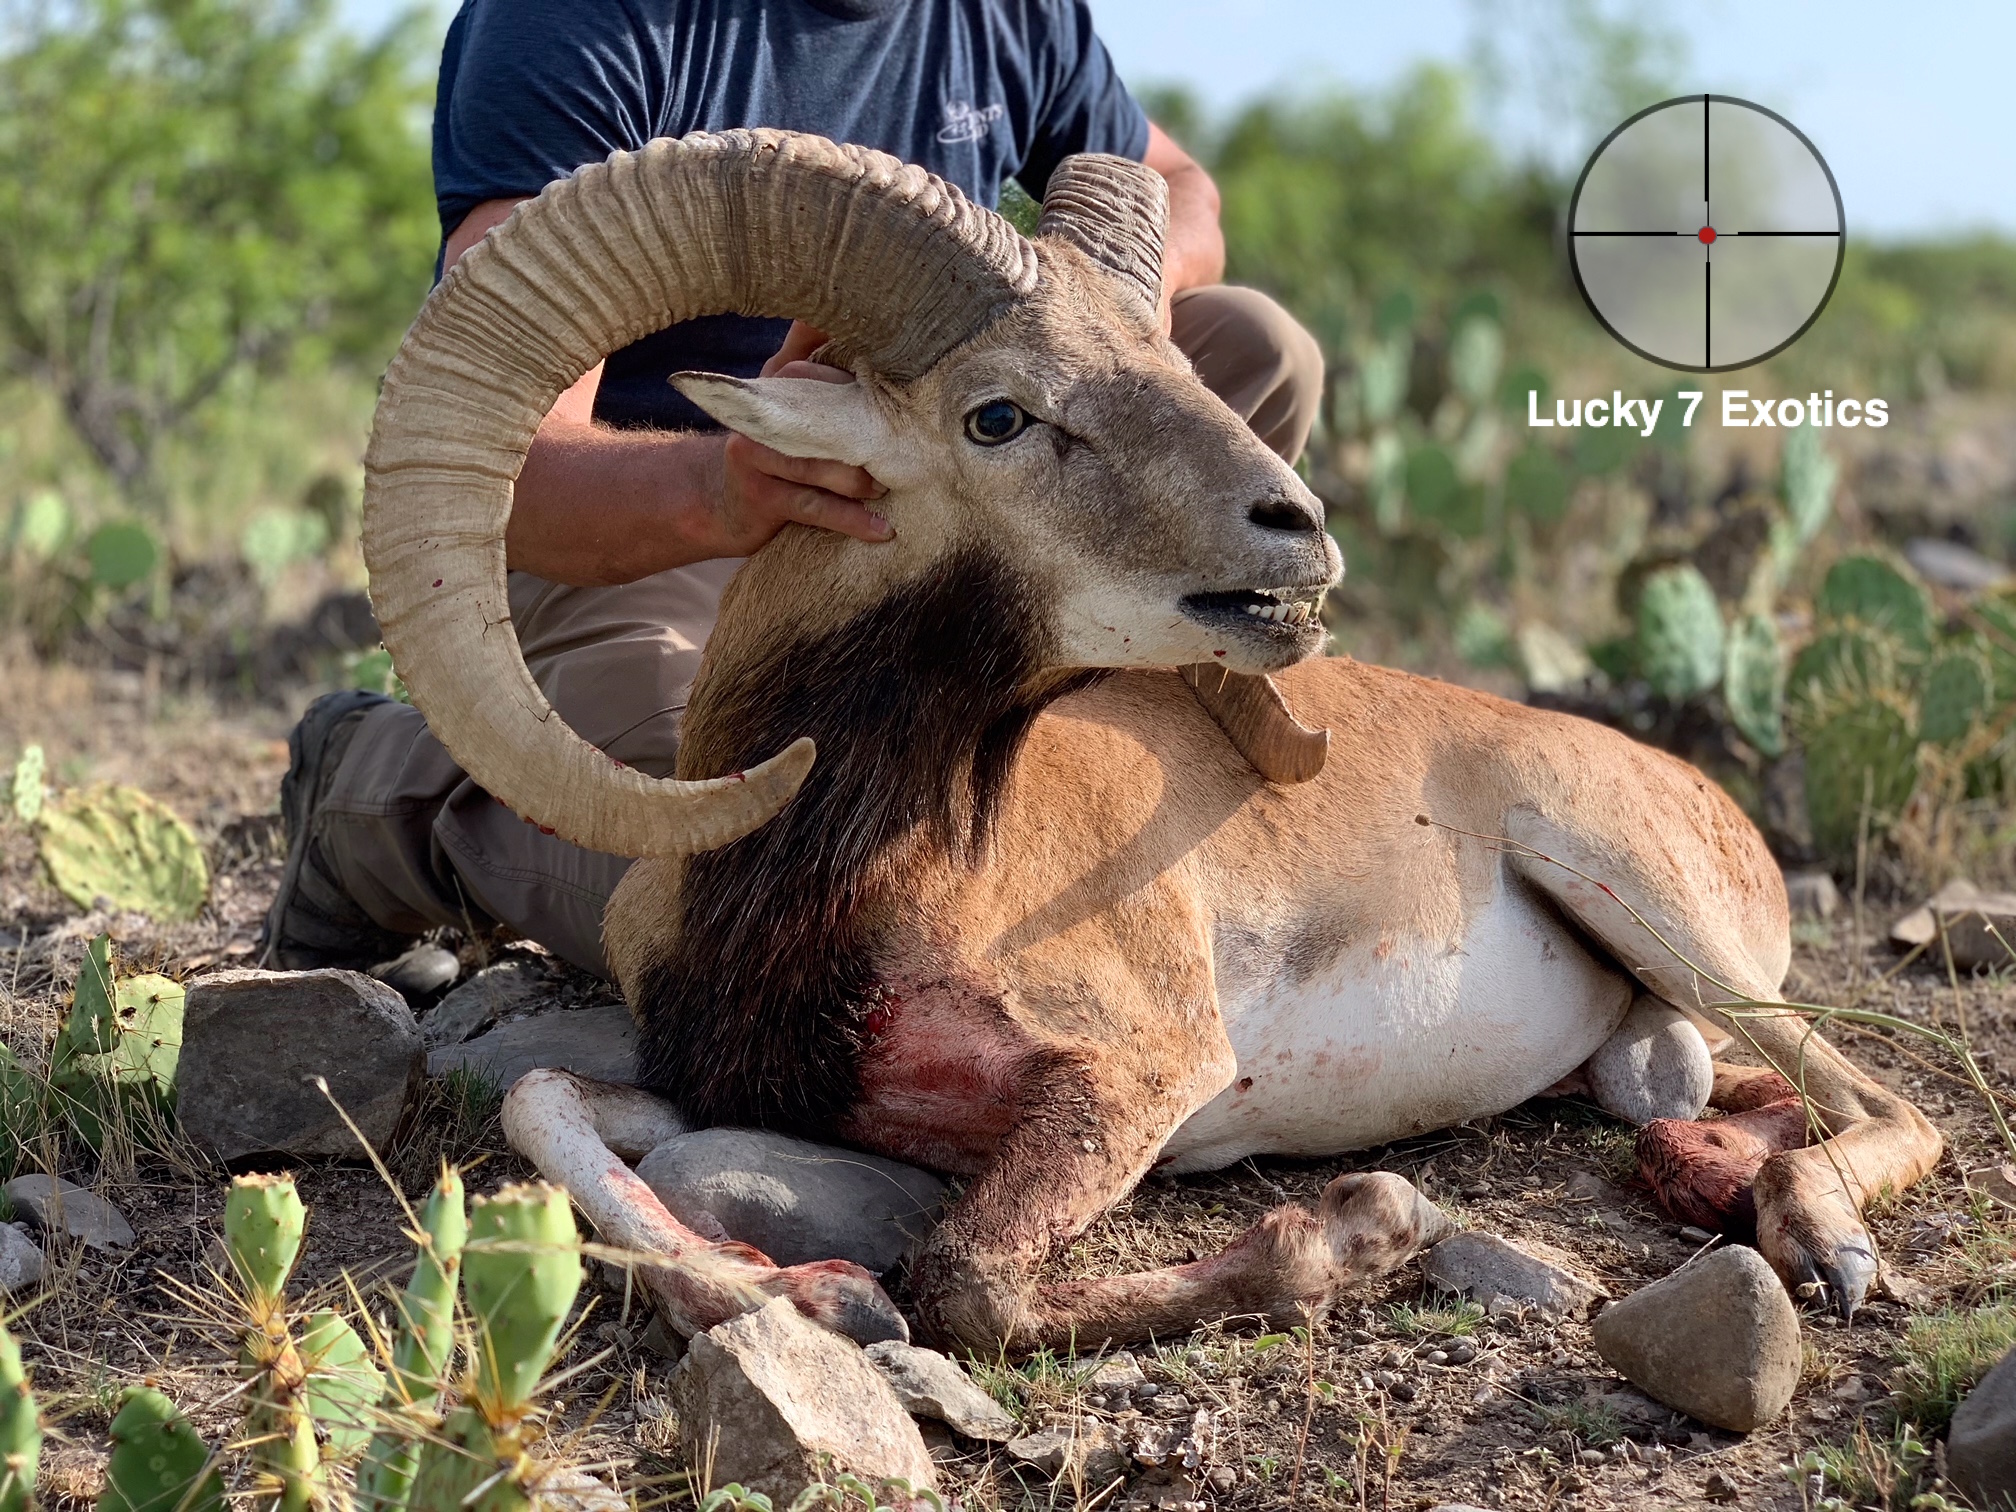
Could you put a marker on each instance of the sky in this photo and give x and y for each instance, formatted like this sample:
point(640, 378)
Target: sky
point(1908, 100)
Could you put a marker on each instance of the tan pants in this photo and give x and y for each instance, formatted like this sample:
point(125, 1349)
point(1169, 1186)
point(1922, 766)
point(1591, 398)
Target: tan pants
point(419, 845)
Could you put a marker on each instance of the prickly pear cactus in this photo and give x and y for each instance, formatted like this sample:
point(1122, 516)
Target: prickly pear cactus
point(1806, 480)
point(520, 1272)
point(1679, 639)
point(27, 789)
point(421, 1350)
point(1956, 690)
point(119, 1048)
point(1843, 659)
point(20, 1431)
point(1753, 683)
point(117, 843)
point(343, 1385)
point(1870, 591)
point(159, 1463)
point(1861, 759)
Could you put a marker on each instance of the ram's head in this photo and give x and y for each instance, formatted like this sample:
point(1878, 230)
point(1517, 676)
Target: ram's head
point(1013, 394)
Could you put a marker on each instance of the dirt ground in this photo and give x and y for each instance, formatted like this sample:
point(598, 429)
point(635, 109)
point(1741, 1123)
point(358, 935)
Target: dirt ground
point(1355, 1412)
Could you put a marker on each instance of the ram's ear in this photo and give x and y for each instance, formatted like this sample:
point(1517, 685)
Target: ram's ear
point(800, 417)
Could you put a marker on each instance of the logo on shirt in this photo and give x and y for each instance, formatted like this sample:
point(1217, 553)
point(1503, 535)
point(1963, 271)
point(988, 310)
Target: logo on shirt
point(964, 123)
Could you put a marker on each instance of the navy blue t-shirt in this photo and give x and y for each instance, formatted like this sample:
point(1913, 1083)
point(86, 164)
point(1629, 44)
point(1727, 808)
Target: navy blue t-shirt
point(978, 91)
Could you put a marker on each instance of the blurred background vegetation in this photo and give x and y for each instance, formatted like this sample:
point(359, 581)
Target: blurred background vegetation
point(216, 219)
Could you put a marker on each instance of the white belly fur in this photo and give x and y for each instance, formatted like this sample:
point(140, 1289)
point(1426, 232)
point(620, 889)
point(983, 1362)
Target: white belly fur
point(1370, 1050)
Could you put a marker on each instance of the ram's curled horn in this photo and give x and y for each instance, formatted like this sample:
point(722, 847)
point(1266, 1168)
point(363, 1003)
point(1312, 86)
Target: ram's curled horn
point(888, 259)
point(1116, 212)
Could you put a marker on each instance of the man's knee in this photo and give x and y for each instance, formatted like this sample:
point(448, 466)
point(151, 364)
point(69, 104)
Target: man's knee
point(1256, 357)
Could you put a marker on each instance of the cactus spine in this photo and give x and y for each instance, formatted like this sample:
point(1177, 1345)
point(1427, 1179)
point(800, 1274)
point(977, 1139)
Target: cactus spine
point(20, 1430)
point(420, 1351)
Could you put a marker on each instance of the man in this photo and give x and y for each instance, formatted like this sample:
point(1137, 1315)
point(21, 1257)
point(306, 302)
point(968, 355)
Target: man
point(633, 507)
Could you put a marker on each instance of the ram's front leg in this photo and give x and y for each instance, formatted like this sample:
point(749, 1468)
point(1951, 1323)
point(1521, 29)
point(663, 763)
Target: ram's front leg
point(1078, 1147)
point(578, 1131)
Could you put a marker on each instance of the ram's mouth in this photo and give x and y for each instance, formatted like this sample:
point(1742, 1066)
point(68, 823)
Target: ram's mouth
point(1290, 608)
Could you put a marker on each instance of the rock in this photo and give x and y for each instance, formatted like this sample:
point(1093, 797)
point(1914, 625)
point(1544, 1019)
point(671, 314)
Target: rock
point(252, 1042)
point(1977, 924)
point(932, 1385)
point(20, 1260)
point(1656, 1065)
point(1085, 1449)
point(1483, 1268)
point(1718, 1339)
point(600, 1042)
point(662, 1340)
point(420, 972)
point(764, 1397)
point(1812, 894)
point(1981, 1445)
point(562, 1489)
point(793, 1200)
point(1997, 1183)
point(1119, 1370)
point(58, 1205)
point(1948, 564)
point(507, 990)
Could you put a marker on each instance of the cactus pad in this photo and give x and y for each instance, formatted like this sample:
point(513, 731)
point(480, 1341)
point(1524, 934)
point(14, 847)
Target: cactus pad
point(1537, 484)
point(1869, 591)
point(1806, 480)
point(1842, 659)
point(520, 1273)
point(343, 1385)
point(1861, 755)
point(263, 1224)
point(1957, 690)
point(119, 844)
point(121, 1042)
point(27, 793)
point(158, 1464)
point(1679, 641)
point(20, 1431)
point(1753, 683)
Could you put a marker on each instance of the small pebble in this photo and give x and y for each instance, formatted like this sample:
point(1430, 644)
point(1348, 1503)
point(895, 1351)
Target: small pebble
point(1402, 1391)
point(1363, 1336)
point(1593, 1457)
point(1462, 1353)
point(1393, 1359)
point(1147, 1389)
point(1437, 1357)
point(1695, 1235)
point(1475, 1190)
point(1223, 1479)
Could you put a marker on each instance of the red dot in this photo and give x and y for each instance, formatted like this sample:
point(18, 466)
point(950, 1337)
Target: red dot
point(1707, 235)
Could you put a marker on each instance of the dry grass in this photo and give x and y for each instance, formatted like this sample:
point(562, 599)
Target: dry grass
point(1316, 1418)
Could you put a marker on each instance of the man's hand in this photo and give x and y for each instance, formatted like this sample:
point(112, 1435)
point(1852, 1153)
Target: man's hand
point(761, 491)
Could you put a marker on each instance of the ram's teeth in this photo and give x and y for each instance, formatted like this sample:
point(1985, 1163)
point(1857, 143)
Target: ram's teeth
point(1252, 608)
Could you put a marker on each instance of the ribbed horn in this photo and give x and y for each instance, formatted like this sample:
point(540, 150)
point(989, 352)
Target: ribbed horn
point(886, 258)
point(1116, 212)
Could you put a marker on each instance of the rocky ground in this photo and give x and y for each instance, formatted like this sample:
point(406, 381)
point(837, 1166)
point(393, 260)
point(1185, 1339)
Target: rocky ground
point(1403, 1399)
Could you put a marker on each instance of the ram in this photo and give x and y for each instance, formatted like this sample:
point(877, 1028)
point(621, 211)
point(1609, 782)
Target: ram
point(1036, 913)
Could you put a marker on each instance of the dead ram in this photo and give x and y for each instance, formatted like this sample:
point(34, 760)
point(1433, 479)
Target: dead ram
point(1031, 917)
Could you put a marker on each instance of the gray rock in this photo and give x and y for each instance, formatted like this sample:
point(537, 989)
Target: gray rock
point(1085, 1450)
point(765, 1396)
point(1812, 894)
point(506, 990)
point(420, 972)
point(1981, 1445)
point(1120, 1370)
point(793, 1200)
point(20, 1260)
point(1656, 1065)
point(1483, 1267)
point(560, 1488)
point(63, 1206)
point(1980, 927)
point(600, 1042)
point(932, 1385)
point(1718, 1339)
point(1951, 565)
point(253, 1042)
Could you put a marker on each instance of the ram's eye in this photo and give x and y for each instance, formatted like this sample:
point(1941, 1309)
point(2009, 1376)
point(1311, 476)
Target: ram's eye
point(996, 421)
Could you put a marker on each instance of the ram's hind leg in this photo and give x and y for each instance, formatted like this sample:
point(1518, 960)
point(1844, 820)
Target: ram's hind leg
point(1699, 918)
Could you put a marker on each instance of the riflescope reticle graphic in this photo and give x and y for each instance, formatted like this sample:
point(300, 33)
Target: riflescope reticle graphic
point(1706, 233)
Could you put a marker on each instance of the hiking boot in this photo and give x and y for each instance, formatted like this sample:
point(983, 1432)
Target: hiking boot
point(313, 922)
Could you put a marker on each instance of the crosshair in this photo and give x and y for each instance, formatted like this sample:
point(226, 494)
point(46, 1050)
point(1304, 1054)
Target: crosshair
point(1706, 233)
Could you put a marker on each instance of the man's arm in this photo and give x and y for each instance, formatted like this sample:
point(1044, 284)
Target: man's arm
point(1194, 252)
point(596, 506)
